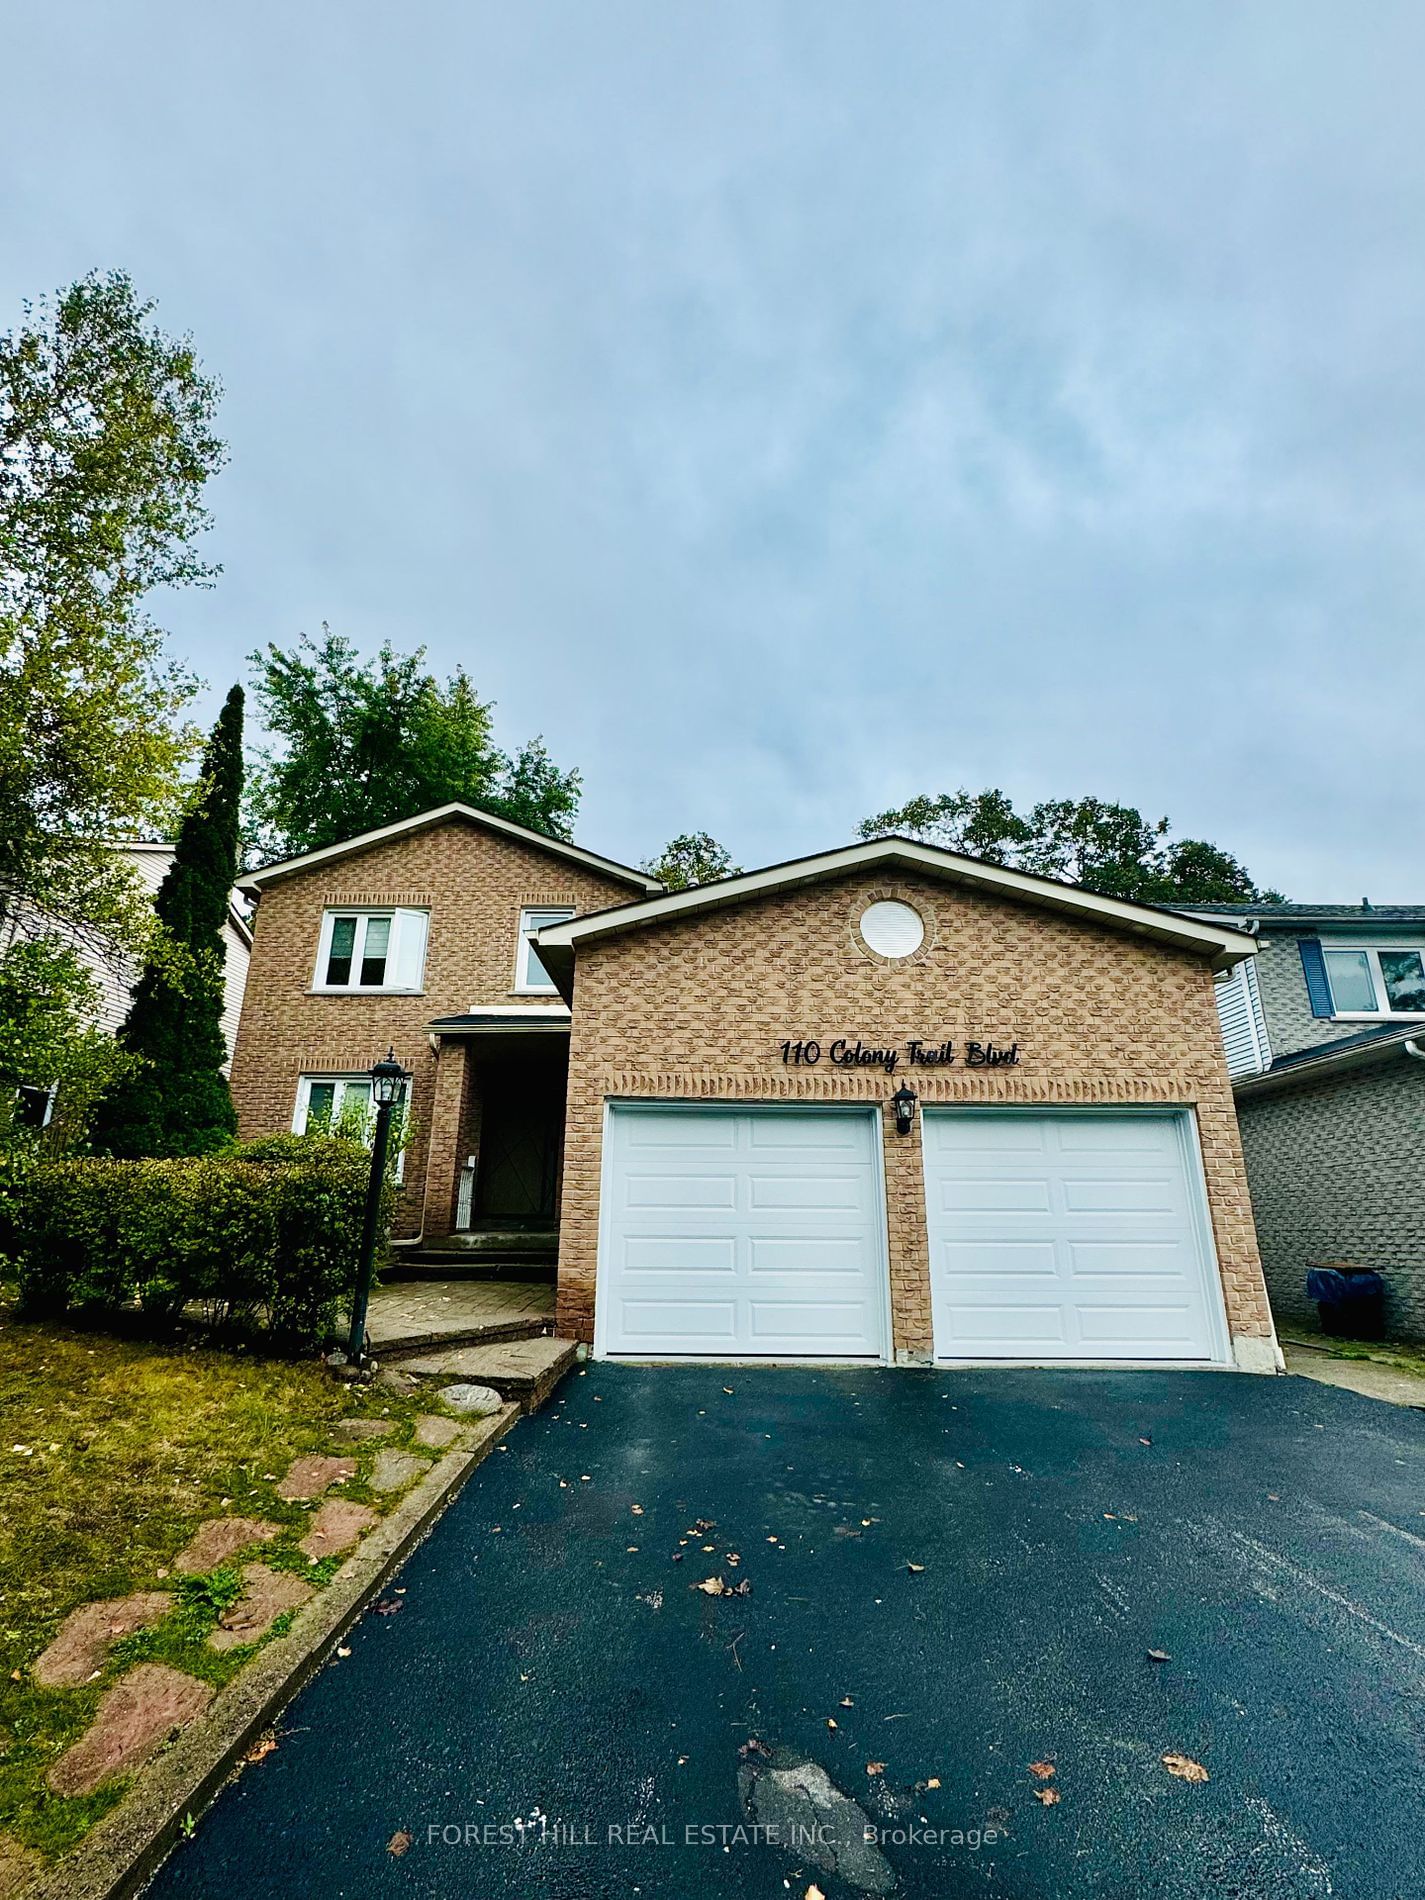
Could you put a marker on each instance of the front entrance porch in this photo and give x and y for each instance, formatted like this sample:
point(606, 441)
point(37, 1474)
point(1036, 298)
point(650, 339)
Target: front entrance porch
point(496, 1154)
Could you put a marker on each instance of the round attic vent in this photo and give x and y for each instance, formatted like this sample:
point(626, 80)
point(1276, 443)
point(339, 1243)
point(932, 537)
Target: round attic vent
point(892, 929)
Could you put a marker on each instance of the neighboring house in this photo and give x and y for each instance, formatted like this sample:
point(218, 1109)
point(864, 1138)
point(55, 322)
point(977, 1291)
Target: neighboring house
point(115, 978)
point(116, 987)
point(885, 1103)
point(1325, 1039)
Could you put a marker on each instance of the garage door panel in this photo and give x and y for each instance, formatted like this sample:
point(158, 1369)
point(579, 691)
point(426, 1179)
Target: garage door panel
point(1035, 1327)
point(694, 1324)
point(773, 1248)
point(1128, 1260)
point(959, 1194)
point(819, 1193)
point(689, 1255)
point(1079, 1240)
point(680, 1190)
point(995, 1261)
point(1122, 1195)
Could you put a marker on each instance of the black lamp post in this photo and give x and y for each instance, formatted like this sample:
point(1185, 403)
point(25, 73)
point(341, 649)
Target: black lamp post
point(903, 1102)
point(388, 1078)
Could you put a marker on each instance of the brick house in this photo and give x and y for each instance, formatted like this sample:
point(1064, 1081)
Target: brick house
point(885, 1103)
point(1325, 1038)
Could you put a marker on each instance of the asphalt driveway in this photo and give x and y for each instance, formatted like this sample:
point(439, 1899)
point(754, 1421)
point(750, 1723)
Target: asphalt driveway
point(557, 1711)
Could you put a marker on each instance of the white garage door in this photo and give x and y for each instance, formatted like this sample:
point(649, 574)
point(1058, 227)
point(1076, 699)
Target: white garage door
point(742, 1234)
point(1063, 1236)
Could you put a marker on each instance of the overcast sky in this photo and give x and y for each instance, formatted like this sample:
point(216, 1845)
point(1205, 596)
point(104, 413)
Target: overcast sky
point(786, 409)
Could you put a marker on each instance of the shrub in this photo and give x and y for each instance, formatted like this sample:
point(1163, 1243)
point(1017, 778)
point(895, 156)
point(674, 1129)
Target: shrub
point(266, 1233)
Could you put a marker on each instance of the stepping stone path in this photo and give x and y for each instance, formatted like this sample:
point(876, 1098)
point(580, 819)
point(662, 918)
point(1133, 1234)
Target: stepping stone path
point(135, 1717)
point(268, 1595)
point(394, 1470)
point(438, 1432)
point(88, 1634)
point(310, 1475)
point(219, 1538)
point(367, 1427)
point(471, 1401)
point(337, 1526)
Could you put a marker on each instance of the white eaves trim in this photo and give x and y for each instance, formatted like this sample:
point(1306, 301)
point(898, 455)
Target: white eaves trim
point(1223, 945)
point(253, 883)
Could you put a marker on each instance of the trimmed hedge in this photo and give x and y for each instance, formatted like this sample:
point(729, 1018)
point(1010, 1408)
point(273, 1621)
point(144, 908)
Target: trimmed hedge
point(266, 1234)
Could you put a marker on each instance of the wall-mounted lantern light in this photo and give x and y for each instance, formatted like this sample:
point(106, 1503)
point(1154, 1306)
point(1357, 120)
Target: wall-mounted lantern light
point(903, 1102)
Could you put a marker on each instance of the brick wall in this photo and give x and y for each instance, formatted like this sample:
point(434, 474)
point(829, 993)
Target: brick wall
point(1335, 1171)
point(475, 883)
point(699, 1009)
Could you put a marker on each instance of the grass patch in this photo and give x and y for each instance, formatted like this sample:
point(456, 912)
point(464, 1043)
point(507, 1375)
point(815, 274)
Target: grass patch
point(1399, 1353)
point(124, 1447)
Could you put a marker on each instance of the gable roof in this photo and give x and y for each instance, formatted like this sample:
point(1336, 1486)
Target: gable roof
point(255, 881)
point(1221, 944)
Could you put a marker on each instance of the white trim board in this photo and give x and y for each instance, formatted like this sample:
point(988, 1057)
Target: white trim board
point(252, 885)
point(1223, 946)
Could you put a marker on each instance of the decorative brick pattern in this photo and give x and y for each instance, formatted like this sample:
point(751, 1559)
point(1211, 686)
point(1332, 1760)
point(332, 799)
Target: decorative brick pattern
point(1335, 1172)
point(475, 884)
point(698, 1010)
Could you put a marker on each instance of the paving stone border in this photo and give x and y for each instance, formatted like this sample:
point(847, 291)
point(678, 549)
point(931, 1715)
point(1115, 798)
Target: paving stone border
point(123, 1851)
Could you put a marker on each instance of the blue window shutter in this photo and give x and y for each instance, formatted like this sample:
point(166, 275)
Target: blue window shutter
point(1318, 987)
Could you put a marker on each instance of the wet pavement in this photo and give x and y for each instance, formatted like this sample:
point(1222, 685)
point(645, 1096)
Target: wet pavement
point(951, 1577)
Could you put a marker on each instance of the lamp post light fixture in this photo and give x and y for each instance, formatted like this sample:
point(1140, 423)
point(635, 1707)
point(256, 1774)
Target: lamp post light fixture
point(903, 1102)
point(388, 1079)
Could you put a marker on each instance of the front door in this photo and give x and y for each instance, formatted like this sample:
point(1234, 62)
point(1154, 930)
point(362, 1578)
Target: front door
point(521, 1129)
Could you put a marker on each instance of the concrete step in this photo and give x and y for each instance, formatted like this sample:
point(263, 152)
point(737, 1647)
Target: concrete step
point(403, 1346)
point(524, 1370)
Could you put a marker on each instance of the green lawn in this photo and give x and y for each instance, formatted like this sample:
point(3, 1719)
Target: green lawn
point(111, 1453)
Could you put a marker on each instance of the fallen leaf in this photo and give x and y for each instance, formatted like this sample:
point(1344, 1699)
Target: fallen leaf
point(813, 1892)
point(1185, 1768)
point(261, 1750)
point(637, 1509)
point(753, 1747)
point(1042, 1770)
point(847, 1703)
point(1048, 1796)
point(875, 1767)
point(830, 1723)
point(1145, 1441)
point(934, 1782)
point(915, 1569)
point(728, 1390)
point(388, 1606)
point(1159, 1655)
point(710, 1587)
point(343, 1651)
point(733, 1558)
point(631, 1547)
point(398, 1843)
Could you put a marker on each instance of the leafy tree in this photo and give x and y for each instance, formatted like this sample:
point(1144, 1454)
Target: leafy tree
point(106, 443)
point(364, 744)
point(176, 1102)
point(695, 858)
point(1110, 848)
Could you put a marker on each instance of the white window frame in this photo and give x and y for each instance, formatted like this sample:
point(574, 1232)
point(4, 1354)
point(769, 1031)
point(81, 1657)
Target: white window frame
point(525, 984)
point(1372, 953)
point(302, 1108)
point(399, 919)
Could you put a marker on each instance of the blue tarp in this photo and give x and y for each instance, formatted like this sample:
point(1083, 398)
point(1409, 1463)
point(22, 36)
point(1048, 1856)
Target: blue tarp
point(1328, 1286)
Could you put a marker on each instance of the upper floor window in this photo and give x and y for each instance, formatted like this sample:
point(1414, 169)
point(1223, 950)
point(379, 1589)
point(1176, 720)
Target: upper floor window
point(372, 950)
point(531, 977)
point(1372, 982)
